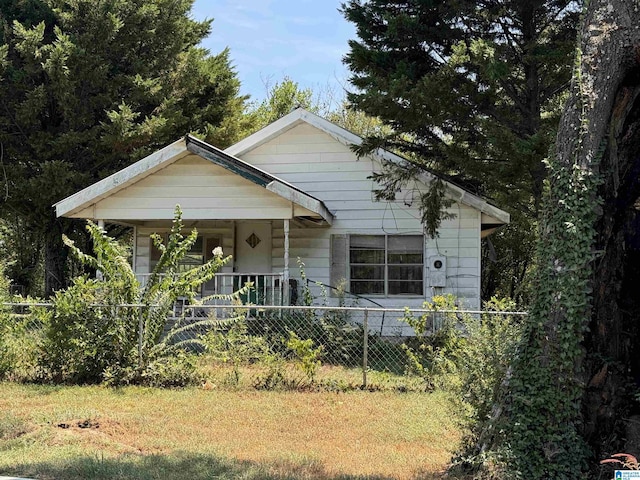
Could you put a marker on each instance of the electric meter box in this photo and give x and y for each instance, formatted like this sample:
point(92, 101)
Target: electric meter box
point(438, 271)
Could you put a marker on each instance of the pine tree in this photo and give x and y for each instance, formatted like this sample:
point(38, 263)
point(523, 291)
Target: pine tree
point(89, 86)
point(472, 90)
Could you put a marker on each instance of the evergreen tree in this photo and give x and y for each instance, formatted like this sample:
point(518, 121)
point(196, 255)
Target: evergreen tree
point(89, 86)
point(471, 90)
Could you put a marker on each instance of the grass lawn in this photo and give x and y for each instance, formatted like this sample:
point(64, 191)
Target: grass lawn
point(137, 433)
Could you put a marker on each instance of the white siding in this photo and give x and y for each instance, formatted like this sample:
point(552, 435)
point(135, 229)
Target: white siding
point(203, 190)
point(321, 166)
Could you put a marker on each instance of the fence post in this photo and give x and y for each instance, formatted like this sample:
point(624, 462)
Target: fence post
point(140, 335)
point(365, 350)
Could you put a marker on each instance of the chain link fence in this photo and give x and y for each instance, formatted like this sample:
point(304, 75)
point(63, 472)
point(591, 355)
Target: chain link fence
point(267, 347)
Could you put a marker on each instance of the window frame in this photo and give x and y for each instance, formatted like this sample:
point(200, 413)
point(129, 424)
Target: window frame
point(206, 256)
point(386, 280)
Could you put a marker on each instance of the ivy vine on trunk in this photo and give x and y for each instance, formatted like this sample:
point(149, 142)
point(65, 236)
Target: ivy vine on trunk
point(568, 394)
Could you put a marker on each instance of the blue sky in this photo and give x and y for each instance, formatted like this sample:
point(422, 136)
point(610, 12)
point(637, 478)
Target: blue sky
point(270, 39)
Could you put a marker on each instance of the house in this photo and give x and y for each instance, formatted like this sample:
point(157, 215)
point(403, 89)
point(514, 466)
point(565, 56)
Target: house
point(296, 190)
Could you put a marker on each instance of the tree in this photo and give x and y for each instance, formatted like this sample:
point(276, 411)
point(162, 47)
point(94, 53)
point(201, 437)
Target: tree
point(282, 98)
point(87, 87)
point(574, 383)
point(471, 90)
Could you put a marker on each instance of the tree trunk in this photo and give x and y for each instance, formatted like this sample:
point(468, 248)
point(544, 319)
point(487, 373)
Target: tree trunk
point(567, 390)
point(612, 369)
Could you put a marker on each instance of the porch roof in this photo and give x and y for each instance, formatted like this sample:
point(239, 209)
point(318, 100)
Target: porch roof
point(79, 204)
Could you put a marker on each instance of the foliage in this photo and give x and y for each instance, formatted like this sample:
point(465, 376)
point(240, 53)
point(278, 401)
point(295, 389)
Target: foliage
point(488, 350)
point(357, 121)
point(307, 357)
point(470, 357)
point(87, 87)
point(543, 415)
point(483, 366)
point(508, 263)
point(19, 339)
point(472, 93)
point(92, 335)
point(229, 342)
point(20, 247)
point(282, 98)
point(437, 340)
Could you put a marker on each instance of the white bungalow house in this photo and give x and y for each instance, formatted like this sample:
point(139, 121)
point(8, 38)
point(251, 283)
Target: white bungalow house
point(296, 190)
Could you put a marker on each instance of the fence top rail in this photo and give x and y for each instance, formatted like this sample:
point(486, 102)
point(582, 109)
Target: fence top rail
point(223, 274)
point(50, 304)
point(286, 307)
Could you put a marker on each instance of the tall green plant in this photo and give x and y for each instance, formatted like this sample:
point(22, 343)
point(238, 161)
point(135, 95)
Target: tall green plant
point(113, 327)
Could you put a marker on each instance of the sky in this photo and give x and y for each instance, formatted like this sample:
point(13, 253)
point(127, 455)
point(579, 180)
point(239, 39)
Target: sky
point(270, 39)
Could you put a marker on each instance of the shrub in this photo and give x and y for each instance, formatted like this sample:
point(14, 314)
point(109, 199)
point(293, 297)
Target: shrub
point(229, 342)
point(431, 354)
point(473, 353)
point(307, 357)
point(19, 339)
point(91, 337)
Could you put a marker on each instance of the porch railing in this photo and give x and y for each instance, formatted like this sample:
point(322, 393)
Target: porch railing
point(266, 289)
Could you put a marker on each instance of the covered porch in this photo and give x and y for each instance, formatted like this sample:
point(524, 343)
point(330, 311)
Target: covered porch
point(232, 204)
point(259, 253)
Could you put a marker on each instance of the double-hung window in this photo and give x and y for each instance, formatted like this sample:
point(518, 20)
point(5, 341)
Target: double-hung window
point(386, 264)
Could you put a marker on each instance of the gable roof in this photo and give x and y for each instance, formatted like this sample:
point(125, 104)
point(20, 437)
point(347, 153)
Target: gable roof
point(177, 150)
point(300, 115)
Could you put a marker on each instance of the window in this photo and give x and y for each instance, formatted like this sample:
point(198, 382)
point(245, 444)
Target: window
point(386, 264)
point(199, 252)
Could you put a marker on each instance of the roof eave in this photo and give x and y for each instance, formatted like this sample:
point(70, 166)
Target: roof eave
point(312, 204)
point(113, 183)
point(259, 177)
point(349, 138)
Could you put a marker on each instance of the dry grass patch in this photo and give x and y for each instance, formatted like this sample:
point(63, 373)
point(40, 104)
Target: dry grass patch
point(138, 433)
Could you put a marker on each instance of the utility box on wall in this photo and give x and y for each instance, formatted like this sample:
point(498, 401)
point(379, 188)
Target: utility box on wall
point(438, 271)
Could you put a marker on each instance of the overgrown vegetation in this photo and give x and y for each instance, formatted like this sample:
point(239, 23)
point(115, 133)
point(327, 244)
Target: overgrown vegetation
point(115, 331)
point(471, 357)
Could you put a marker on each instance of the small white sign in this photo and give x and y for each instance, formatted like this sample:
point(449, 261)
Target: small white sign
point(627, 474)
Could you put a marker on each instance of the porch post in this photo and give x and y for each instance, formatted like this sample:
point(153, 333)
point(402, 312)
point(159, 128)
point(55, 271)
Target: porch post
point(98, 272)
point(285, 275)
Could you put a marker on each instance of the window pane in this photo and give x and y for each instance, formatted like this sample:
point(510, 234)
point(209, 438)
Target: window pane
point(400, 267)
point(361, 287)
point(405, 288)
point(405, 243)
point(405, 273)
point(367, 241)
point(360, 272)
point(367, 256)
point(193, 257)
point(400, 258)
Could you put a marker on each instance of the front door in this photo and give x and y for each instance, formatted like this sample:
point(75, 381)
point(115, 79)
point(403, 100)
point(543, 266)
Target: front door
point(253, 247)
point(253, 255)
